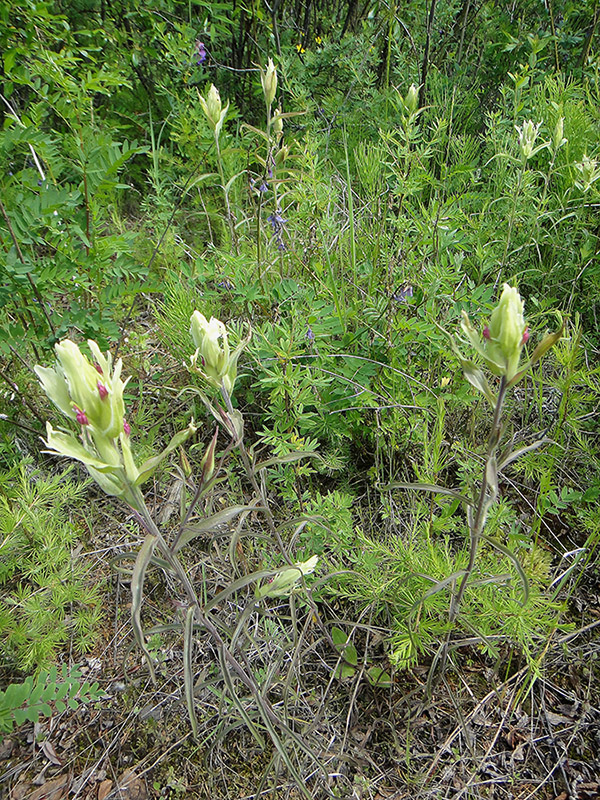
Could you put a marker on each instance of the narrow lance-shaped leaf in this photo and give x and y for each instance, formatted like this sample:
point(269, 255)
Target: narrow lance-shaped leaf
point(427, 487)
point(286, 459)
point(137, 596)
point(210, 523)
point(188, 675)
point(148, 467)
point(517, 564)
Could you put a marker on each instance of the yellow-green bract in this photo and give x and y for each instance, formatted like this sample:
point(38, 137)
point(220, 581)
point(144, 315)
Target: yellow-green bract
point(213, 358)
point(505, 336)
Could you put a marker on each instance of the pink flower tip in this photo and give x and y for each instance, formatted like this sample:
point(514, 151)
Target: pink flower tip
point(526, 336)
point(126, 428)
point(486, 333)
point(98, 368)
point(81, 417)
point(102, 390)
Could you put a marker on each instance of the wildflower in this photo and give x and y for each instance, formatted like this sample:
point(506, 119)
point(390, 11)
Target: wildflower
point(278, 124)
point(404, 294)
point(300, 49)
point(213, 110)
point(268, 79)
point(74, 388)
point(219, 365)
point(278, 225)
point(411, 101)
point(284, 583)
point(528, 132)
point(588, 169)
point(200, 53)
point(505, 335)
point(310, 334)
point(98, 408)
point(557, 137)
point(318, 40)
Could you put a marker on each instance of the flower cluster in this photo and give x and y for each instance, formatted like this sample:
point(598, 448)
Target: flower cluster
point(90, 395)
point(504, 337)
point(213, 358)
point(213, 110)
point(268, 78)
point(200, 53)
point(528, 133)
point(278, 225)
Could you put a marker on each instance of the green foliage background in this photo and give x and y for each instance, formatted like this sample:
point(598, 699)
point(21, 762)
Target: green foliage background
point(115, 226)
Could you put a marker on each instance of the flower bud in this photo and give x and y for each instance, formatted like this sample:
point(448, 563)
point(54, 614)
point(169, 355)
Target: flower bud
point(527, 135)
point(208, 462)
point(588, 169)
point(268, 79)
point(285, 581)
point(557, 137)
point(213, 110)
point(504, 337)
point(411, 101)
point(281, 155)
point(278, 123)
point(507, 328)
point(219, 365)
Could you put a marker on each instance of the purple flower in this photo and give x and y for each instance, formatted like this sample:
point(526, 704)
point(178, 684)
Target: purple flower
point(403, 295)
point(310, 334)
point(278, 225)
point(263, 187)
point(200, 53)
point(277, 222)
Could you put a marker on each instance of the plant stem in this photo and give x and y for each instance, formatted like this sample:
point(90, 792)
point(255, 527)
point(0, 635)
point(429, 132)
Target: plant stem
point(226, 196)
point(487, 495)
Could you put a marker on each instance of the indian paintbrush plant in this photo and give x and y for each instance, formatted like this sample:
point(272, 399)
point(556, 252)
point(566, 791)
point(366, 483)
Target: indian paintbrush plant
point(90, 395)
point(500, 345)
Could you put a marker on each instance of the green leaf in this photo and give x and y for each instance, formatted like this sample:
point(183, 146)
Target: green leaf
point(148, 467)
point(286, 459)
point(379, 677)
point(137, 596)
point(427, 487)
point(188, 674)
point(210, 523)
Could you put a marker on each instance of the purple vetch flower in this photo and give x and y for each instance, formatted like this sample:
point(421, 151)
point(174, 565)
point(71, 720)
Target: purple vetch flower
point(404, 294)
point(310, 334)
point(263, 187)
point(278, 225)
point(277, 222)
point(200, 53)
